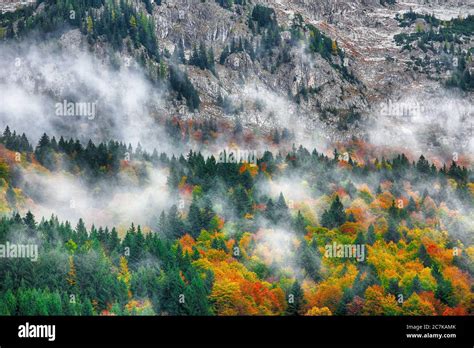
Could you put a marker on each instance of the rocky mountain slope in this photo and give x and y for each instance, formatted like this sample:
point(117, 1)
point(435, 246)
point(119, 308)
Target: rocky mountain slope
point(329, 66)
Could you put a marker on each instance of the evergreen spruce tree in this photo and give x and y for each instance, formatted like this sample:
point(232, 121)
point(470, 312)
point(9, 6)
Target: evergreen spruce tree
point(29, 220)
point(424, 257)
point(392, 234)
point(282, 213)
point(299, 224)
point(296, 300)
point(416, 285)
point(371, 235)
point(335, 216)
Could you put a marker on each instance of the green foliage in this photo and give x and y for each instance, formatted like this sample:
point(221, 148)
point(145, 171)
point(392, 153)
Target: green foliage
point(444, 292)
point(265, 17)
point(371, 235)
point(238, 45)
point(309, 259)
point(451, 38)
point(203, 57)
point(296, 300)
point(320, 43)
point(15, 142)
point(180, 83)
point(228, 4)
point(335, 216)
point(41, 288)
point(200, 215)
point(299, 224)
point(392, 234)
point(263, 21)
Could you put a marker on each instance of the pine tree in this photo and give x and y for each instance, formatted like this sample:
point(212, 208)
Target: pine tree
point(296, 300)
point(270, 211)
point(161, 222)
point(6, 135)
point(416, 285)
point(424, 257)
point(180, 52)
point(29, 220)
point(371, 235)
point(224, 54)
point(360, 239)
point(194, 59)
point(174, 225)
point(422, 165)
point(379, 190)
point(210, 60)
point(281, 210)
point(392, 234)
point(8, 303)
point(411, 207)
point(347, 297)
point(44, 153)
point(81, 232)
point(310, 260)
point(393, 211)
point(195, 220)
point(299, 224)
point(87, 309)
point(242, 201)
point(445, 293)
point(393, 287)
point(335, 216)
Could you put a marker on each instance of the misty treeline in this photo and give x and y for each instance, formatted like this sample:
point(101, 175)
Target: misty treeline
point(105, 159)
point(212, 252)
point(85, 272)
point(101, 160)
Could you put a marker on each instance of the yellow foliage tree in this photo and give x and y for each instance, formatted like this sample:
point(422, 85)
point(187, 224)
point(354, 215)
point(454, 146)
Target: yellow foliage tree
point(315, 311)
point(71, 275)
point(377, 303)
point(133, 22)
point(334, 48)
point(124, 274)
point(228, 299)
point(416, 306)
point(90, 25)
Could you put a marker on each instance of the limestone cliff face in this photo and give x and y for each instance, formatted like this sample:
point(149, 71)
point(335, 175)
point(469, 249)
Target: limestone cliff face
point(363, 28)
point(192, 22)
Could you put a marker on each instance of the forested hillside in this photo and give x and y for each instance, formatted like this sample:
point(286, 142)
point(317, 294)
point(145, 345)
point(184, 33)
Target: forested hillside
point(236, 157)
point(244, 238)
